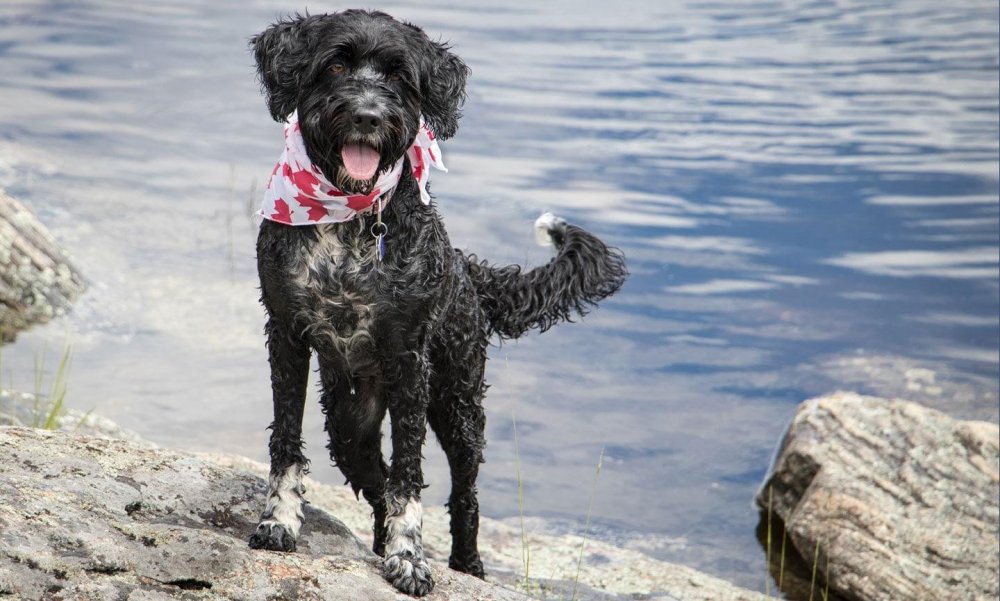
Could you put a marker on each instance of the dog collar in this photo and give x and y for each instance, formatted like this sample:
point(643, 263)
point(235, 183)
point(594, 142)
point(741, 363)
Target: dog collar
point(299, 194)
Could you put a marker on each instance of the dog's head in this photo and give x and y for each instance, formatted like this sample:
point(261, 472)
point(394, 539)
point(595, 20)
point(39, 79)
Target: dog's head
point(360, 81)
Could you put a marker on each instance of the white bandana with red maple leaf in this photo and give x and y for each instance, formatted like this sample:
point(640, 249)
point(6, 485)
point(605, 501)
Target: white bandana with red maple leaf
point(299, 194)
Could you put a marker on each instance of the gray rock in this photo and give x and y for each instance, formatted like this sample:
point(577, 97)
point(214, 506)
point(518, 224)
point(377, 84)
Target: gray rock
point(901, 500)
point(96, 517)
point(606, 572)
point(93, 518)
point(37, 280)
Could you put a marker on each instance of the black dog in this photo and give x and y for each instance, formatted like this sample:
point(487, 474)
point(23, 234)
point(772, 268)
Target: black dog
point(406, 332)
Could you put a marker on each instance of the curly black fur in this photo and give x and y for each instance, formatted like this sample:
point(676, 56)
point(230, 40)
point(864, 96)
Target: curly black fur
point(584, 272)
point(407, 336)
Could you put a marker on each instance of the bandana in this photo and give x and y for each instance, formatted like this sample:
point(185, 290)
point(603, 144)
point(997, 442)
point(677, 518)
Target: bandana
point(299, 194)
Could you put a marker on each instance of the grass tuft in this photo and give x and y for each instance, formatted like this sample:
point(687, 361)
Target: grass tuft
point(57, 397)
point(46, 411)
point(586, 530)
point(525, 548)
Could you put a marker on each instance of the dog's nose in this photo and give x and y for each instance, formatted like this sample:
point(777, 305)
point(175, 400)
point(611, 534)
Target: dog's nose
point(366, 122)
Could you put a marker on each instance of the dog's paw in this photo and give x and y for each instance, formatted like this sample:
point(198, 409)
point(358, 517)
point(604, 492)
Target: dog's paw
point(409, 574)
point(272, 536)
point(549, 230)
point(472, 566)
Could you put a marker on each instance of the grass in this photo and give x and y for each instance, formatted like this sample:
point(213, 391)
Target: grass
point(586, 530)
point(46, 416)
point(825, 592)
point(525, 547)
point(45, 411)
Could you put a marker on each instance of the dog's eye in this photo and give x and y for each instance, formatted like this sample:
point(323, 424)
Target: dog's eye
point(337, 68)
point(395, 77)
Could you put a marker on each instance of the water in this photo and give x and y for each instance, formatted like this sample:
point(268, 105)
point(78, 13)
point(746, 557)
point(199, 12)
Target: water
point(807, 194)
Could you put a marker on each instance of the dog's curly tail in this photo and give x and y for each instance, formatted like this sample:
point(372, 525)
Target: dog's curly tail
point(583, 272)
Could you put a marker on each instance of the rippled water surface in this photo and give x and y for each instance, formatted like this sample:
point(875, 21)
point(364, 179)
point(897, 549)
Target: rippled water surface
point(807, 193)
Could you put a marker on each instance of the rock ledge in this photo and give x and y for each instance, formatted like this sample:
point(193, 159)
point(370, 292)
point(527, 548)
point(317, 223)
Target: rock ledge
point(88, 518)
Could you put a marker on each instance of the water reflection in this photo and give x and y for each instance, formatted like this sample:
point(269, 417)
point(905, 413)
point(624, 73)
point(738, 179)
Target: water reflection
point(807, 194)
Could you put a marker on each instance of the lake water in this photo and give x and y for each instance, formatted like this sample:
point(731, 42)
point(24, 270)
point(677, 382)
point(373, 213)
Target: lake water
point(807, 193)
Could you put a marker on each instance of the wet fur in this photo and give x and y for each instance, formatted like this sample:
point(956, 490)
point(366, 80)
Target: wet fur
point(407, 336)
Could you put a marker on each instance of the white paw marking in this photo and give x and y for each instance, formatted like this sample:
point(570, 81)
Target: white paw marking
point(285, 498)
point(403, 528)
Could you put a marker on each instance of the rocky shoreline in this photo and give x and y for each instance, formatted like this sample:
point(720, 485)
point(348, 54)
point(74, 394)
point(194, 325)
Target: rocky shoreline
point(893, 501)
point(94, 512)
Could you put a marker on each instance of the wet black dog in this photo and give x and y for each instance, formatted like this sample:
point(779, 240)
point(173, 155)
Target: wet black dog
point(407, 334)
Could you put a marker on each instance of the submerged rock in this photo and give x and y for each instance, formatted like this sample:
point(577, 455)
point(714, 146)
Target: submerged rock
point(898, 501)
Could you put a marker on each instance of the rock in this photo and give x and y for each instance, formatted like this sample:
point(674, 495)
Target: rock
point(607, 571)
point(95, 517)
point(901, 500)
point(87, 518)
point(37, 281)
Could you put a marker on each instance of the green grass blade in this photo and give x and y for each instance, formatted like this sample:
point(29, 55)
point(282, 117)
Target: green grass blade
point(58, 395)
point(36, 415)
point(586, 530)
point(781, 568)
point(767, 570)
point(525, 549)
point(82, 419)
point(812, 582)
point(826, 577)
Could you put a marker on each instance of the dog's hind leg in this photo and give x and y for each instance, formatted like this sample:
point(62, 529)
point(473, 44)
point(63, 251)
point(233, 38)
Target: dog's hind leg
point(282, 516)
point(353, 423)
point(459, 424)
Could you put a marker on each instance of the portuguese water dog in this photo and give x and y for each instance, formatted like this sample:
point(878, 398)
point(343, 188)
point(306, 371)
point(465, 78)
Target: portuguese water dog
point(355, 265)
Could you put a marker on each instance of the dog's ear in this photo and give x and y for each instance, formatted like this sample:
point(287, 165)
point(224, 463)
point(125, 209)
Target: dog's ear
point(442, 89)
point(282, 52)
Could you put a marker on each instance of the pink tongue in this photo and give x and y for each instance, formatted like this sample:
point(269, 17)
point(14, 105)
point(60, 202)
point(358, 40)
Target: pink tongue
point(360, 160)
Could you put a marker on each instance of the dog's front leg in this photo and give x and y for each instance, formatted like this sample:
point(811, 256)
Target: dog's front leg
point(405, 566)
point(282, 516)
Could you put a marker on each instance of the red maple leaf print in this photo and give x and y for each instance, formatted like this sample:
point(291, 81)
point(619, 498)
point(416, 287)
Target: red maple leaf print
point(418, 163)
point(360, 202)
point(305, 181)
point(281, 212)
point(316, 210)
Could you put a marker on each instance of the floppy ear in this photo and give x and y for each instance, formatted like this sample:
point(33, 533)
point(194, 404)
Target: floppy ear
point(282, 53)
point(442, 90)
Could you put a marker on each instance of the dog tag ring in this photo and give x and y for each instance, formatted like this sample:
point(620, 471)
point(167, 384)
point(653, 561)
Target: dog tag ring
point(379, 230)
